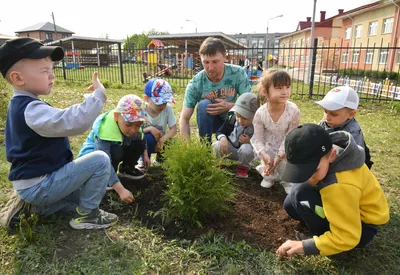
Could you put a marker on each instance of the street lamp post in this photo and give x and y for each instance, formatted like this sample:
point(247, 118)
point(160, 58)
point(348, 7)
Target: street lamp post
point(187, 20)
point(267, 61)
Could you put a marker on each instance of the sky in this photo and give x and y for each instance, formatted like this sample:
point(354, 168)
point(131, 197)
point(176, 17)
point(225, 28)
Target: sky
point(118, 19)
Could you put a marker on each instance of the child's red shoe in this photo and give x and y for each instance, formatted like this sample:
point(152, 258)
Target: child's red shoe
point(242, 171)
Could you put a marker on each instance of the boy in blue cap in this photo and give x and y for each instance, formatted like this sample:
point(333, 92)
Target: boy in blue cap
point(162, 125)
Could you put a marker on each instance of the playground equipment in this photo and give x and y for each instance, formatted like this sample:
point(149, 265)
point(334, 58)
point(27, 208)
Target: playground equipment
point(170, 61)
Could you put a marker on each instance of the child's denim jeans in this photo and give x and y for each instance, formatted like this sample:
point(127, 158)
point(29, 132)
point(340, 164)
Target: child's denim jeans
point(81, 182)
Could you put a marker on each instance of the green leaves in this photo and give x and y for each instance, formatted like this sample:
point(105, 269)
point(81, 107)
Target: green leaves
point(198, 188)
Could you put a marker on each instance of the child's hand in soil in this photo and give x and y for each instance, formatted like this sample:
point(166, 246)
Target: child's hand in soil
point(223, 145)
point(290, 248)
point(159, 146)
point(267, 163)
point(124, 194)
point(146, 159)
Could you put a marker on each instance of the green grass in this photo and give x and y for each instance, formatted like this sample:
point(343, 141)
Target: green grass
point(130, 248)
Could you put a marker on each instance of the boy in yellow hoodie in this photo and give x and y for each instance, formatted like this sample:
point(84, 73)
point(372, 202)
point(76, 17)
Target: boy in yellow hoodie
point(339, 198)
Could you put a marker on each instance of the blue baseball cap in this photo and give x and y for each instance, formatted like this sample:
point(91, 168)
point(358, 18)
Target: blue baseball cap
point(159, 91)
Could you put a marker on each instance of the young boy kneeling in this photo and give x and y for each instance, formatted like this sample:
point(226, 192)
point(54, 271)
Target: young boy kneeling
point(234, 135)
point(339, 199)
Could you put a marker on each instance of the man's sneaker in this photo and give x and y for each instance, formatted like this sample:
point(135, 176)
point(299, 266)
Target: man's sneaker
point(95, 219)
point(266, 183)
point(12, 210)
point(130, 173)
point(242, 171)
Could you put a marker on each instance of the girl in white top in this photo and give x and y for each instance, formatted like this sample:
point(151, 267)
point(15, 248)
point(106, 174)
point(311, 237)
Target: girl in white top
point(272, 122)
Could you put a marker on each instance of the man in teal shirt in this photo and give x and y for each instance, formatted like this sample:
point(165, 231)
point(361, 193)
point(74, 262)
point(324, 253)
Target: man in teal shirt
point(215, 90)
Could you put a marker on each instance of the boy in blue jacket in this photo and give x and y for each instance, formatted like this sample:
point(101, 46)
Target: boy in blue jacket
point(119, 134)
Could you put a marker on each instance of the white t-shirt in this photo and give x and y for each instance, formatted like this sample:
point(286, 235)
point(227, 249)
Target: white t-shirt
point(164, 119)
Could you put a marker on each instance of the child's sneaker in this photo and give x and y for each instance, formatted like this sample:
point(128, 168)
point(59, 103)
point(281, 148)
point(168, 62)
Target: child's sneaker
point(95, 219)
point(287, 186)
point(267, 183)
point(12, 210)
point(242, 171)
point(130, 173)
point(140, 164)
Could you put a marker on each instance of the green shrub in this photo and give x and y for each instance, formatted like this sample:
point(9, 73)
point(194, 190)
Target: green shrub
point(197, 188)
point(5, 95)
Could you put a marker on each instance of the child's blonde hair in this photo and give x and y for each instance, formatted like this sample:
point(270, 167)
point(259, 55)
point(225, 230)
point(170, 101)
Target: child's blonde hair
point(274, 76)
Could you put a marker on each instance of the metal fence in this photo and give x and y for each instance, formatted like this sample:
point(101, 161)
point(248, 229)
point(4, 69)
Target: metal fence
point(372, 70)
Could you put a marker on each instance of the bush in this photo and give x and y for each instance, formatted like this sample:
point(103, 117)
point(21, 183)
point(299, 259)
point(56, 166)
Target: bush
point(197, 188)
point(5, 95)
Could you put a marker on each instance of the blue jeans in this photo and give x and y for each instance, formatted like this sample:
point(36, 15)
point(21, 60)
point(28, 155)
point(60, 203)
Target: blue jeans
point(206, 123)
point(80, 183)
point(151, 143)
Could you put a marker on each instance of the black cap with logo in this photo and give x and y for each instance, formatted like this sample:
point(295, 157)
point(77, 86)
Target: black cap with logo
point(304, 147)
point(16, 49)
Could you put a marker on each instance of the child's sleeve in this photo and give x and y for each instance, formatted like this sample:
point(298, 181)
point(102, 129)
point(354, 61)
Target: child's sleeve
point(48, 121)
point(295, 121)
point(226, 128)
point(344, 221)
point(258, 139)
point(171, 117)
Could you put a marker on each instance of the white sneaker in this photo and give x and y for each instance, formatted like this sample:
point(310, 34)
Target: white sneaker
point(267, 183)
point(109, 188)
point(287, 186)
point(140, 164)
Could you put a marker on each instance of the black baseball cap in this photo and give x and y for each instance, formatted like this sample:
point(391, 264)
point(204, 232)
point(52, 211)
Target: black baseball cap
point(16, 49)
point(304, 147)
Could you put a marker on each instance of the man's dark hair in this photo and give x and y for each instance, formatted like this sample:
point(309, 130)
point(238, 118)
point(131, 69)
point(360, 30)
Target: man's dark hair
point(211, 46)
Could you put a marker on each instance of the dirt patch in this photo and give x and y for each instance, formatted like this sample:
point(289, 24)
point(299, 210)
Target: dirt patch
point(257, 215)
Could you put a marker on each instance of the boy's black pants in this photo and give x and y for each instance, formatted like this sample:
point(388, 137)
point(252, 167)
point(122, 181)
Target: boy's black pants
point(129, 155)
point(300, 205)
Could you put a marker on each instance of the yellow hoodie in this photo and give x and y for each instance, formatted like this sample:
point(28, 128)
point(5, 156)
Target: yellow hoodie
point(350, 194)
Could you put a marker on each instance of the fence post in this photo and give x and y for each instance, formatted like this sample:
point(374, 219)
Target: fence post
point(121, 67)
point(314, 58)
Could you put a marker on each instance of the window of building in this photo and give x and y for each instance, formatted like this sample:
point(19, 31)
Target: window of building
point(355, 57)
point(345, 55)
point(302, 58)
point(49, 36)
point(358, 31)
point(387, 25)
point(369, 56)
point(347, 33)
point(254, 43)
point(373, 28)
point(383, 56)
